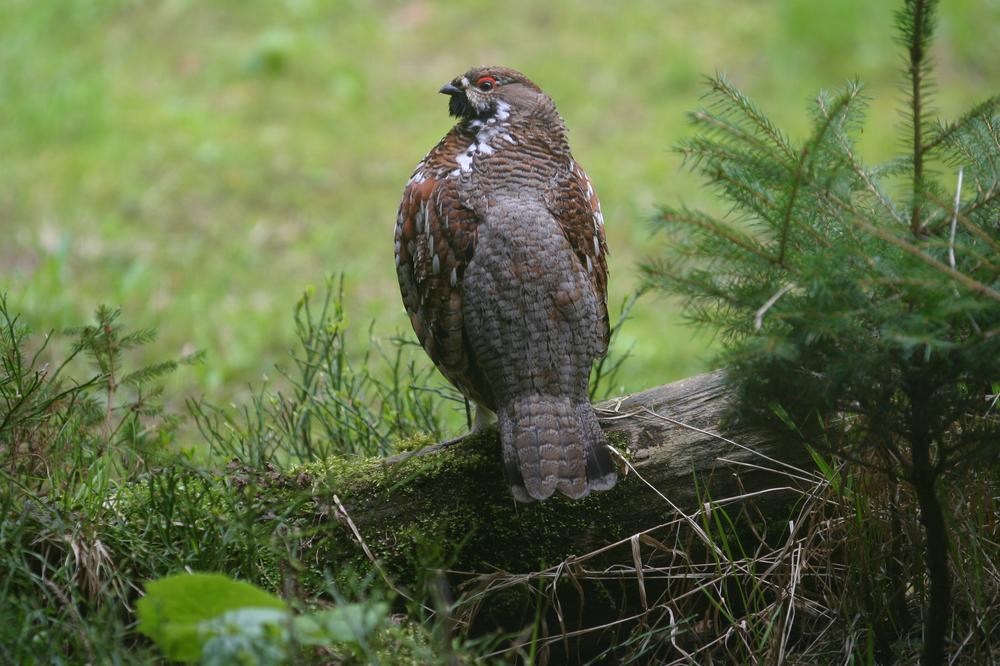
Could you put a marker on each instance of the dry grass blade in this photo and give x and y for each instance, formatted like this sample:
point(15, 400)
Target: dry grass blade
point(774, 585)
point(342, 513)
point(637, 561)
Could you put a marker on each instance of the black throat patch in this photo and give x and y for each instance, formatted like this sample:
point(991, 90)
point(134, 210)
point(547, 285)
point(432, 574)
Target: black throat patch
point(459, 106)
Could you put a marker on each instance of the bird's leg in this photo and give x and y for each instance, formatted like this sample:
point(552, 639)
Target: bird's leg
point(484, 419)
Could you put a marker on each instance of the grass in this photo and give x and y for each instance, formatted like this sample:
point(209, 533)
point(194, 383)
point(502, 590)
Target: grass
point(199, 164)
point(95, 502)
point(98, 496)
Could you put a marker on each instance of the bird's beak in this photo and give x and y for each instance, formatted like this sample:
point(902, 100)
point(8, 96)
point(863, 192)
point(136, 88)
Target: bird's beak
point(450, 89)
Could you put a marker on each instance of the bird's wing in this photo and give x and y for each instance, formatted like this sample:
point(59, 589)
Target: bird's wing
point(435, 241)
point(579, 214)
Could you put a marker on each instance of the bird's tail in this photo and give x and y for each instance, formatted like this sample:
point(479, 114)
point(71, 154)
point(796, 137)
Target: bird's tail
point(554, 444)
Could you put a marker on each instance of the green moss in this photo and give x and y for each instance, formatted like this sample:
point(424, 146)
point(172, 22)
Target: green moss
point(448, 509)
point(620, 441)
point(455, 505)
point(414, 443)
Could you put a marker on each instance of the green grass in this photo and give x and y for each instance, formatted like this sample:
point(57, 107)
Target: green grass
point(200, 163)
point(96, 501)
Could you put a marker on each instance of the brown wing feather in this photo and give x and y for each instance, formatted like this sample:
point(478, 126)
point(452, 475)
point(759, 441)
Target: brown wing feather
point(579, 214)
point(435, 240)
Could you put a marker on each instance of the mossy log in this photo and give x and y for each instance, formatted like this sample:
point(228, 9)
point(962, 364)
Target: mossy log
point(451, 503)
point(405, 518)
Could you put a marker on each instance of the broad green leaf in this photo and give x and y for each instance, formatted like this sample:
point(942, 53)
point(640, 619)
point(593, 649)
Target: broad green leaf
point(174, 609)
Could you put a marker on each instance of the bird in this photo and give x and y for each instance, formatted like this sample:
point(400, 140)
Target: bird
point(501, 258)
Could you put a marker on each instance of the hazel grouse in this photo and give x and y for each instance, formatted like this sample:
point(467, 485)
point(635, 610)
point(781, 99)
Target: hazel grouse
point(502, 265)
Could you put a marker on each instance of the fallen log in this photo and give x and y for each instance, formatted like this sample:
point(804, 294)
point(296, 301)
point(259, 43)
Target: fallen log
point(452, 503)
point(441, 518)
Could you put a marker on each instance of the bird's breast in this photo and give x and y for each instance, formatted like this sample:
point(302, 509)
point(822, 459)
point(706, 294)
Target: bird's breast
point(491, 138)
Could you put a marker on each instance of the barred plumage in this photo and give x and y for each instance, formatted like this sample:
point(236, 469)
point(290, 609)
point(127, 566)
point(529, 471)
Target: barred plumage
point(501, 260)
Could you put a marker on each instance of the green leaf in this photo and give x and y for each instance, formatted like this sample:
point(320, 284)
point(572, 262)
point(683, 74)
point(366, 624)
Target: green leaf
point(175, 610)
point(348, 623)
point(256, 636)
point(826, 469)
point(784, 417)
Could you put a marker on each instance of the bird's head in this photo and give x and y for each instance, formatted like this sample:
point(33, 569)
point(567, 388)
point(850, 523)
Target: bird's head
point(483, 91)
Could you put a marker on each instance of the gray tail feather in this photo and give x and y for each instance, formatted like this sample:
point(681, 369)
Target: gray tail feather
point(554, 444)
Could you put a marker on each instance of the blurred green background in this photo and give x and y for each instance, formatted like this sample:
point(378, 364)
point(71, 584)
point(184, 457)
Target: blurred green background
point(200, 163)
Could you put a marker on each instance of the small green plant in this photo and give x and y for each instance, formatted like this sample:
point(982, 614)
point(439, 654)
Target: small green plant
point(604, 374)
point(36, 403)
point(213, 619)
point(65, 446)
point(133, 417)
point(332, 402)
point(859, 321)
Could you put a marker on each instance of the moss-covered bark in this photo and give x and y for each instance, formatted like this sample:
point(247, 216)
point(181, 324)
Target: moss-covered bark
point(454, 505)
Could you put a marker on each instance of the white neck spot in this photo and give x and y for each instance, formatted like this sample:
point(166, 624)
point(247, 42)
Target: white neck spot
point(493, 128)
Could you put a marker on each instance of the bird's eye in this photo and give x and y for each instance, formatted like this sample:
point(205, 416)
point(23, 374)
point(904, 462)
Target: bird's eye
point(486, 83)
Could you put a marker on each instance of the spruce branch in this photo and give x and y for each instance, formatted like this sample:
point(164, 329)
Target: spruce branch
point(916, 21)
point(721, 126)
point(750, 111)
point(985, 198)
point(754, 198)
point(716, 228)
point(943, 134)
point(870, 184)
point(787, 215)
point(964, 218)
point(970, 283)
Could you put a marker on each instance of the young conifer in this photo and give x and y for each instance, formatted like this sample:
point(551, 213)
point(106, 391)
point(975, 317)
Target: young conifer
point(859, 305)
